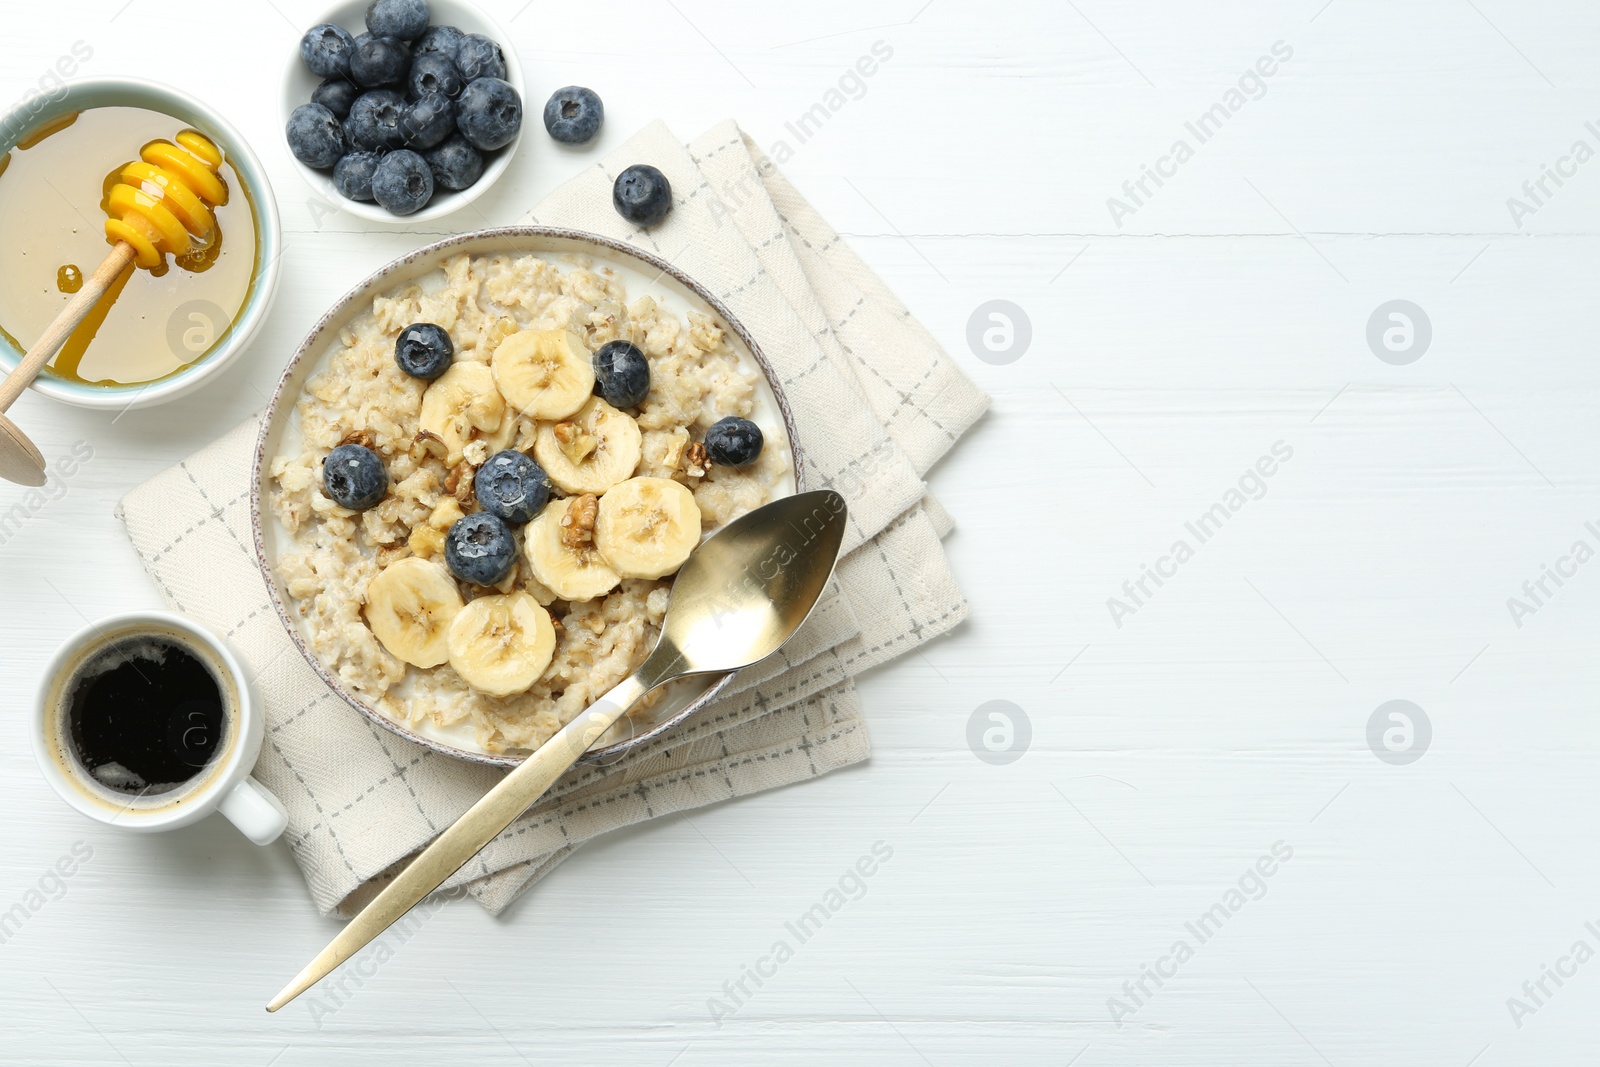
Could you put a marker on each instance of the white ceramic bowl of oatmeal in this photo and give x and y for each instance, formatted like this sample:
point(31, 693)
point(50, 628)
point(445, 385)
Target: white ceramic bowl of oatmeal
point(318, 558)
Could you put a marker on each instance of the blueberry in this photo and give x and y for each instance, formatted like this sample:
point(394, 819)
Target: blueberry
point(479, 57)
point(326, 50)
point(480, 548)
point(402, 183)
point(375, 121)
point(405, 19)
point(379, 61)
point(573, 115)
point(489, 113)
point(433, 74)
point(428, 121)
point(352, 175)
point(455, 164)
point(621, 374)
point(314, 136)
point(512, 486)
point(424, 350)
point(642, 195)
point(733, 442)
point(336, 94)
point(354, 478)
point(440, 40)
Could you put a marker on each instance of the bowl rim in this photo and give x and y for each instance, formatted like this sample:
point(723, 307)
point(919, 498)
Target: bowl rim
point(269, 242)
point(309, 348)
point(320, 182)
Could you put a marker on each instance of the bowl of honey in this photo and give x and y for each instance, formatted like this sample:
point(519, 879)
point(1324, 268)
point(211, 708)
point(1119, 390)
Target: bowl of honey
point(163, 327)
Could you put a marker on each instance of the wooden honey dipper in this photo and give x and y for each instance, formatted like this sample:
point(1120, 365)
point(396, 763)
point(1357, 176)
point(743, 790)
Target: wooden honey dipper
point(161, 204)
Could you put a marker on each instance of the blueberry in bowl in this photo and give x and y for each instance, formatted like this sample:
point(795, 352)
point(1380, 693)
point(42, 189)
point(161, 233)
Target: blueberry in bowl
point(405, 20)
point(352, 175)
point(489, 113)
point(325, 50)
point(315, 136)
point(336, 94)
point(402, 182)
point(428, 121)
point(621, 374)
point(424, 350)
point(379, 61)
point(434, 73)
point(480, 548)
point(733, 442)
point(479, 57)
point(354, 477)
point(374, 123)
point(456, 165)
point(512, 486)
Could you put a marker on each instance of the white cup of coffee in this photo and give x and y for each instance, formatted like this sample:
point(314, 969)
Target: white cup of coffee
point(147, 722)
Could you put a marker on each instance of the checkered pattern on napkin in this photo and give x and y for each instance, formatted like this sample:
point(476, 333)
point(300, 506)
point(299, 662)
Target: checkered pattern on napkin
point(876, 402)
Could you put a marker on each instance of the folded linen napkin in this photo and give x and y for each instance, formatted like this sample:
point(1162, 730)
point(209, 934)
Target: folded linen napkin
point(876, 402)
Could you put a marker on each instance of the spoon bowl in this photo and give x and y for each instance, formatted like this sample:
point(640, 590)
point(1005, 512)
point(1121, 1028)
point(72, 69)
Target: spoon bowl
point(735, 601)
point(20, 459)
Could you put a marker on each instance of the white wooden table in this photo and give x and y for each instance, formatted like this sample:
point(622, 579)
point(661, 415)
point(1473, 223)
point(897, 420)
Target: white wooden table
point(1176, 739)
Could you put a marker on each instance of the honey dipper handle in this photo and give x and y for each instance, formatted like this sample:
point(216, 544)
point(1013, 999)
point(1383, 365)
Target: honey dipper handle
point(55, 335)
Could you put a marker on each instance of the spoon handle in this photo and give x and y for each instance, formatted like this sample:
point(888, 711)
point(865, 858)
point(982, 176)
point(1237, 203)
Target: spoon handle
point(72, 313)
point(482, 822)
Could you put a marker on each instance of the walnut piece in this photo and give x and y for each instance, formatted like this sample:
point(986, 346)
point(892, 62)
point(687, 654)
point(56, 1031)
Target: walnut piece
point(576, 442)
point(427, 542)
point(458, 483)
point(577, 531)
point(695, 460)
point(363, 438)
point(429, 443)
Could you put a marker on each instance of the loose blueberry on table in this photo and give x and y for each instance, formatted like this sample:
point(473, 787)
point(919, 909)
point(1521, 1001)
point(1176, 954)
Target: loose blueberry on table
point(424, 350)
point(354, 477)
point(573, 115)
point(621, 374)
point(480, 548)
point(733, 442)
point(642, 195)
point(433, 95)
point(512, 486)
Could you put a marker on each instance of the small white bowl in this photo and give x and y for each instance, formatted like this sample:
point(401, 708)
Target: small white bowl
point(136, 92)
point(298, 83)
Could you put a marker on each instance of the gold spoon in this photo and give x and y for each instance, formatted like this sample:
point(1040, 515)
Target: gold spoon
point(740, 596)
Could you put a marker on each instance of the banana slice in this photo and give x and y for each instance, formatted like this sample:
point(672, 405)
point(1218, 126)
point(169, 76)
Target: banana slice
point(562, 556)
point(647, 527)
point(500, 645)
point(410, 605)
point(590, 452)
point(461, 400)
point(545, 374)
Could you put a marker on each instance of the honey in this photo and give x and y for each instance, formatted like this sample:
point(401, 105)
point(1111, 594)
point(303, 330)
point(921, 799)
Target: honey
point(152, 322)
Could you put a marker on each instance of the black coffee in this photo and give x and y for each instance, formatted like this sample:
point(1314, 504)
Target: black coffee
point(145, 715)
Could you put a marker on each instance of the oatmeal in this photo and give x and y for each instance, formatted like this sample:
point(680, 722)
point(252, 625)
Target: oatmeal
point(509, 613)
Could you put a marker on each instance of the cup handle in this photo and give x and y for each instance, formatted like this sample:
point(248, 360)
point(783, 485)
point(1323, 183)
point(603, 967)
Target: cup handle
point(258, 814)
